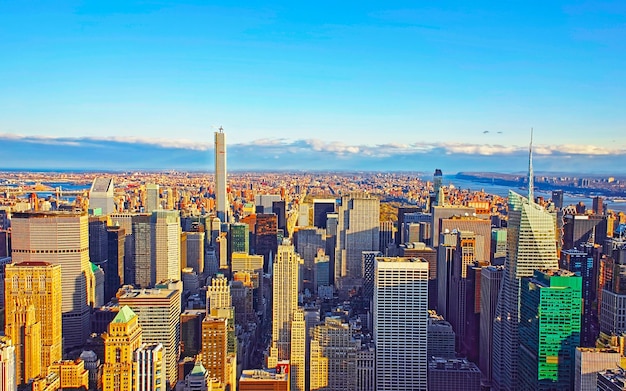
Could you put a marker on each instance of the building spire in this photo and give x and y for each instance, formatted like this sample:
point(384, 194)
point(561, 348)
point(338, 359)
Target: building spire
point(531, 174)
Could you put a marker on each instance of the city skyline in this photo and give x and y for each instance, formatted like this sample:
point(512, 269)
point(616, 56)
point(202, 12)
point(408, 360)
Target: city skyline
point(344, 80)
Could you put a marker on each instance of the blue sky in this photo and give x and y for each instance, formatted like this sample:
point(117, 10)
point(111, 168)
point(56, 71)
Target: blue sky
point(476, 75)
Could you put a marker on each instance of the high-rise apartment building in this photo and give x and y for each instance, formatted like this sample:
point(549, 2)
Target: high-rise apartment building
point(357, 231)
point(165, 251)
point(159, 317)
point(60, 238)
point(221, 197)
point(531, 245)
point(33, 316)
point(549, 330)
point(400, 323)
point(120, 342)
point(284, 301)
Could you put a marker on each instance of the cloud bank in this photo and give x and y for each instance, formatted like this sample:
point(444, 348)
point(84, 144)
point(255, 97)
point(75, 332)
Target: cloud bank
point(141, 153)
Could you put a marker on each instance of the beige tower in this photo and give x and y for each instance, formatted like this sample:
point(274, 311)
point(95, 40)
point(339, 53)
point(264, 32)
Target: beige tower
point(215, 347)
point(123, 338)
point(60, 238)
point(33, 316)
point(298, 351)
point(284, 301)
point(165, 252)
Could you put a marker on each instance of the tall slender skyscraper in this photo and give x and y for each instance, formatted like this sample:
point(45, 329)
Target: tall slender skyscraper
point(221, 198)
point(531, 245)
point(165, 251)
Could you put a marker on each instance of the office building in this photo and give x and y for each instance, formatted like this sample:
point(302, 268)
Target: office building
point(403, 211)
point(266, 236)
point(441, 338)
point(582, 264)
point(333, 354)
point(98, 249)
point(420, 250)
point(298, 351)
point(457, 374)
point(221, 197)
point(92, 364)
point(284, 301)
point(265, 379)
point(101, 195)
point(191, 332)
point(72, 374)
point(279, 208)
point(196, 380)
point(590, 361)
point(357, 231)
point(309, 241)
point(531, 245)
point(366, 368)
point(152, 198)
point(498, 246)
point(149, 364)
point(240, 238)
point(321, 207)
point(7, 365)
point(549, 329)
point(120, 342)
point(612, 380)
point(490, 281)
point(194, 251)
point(165, 251)
point(33, 316)
point(114, 268)
point(214, 350)
point(139, 263)
point(159, 317)
point(60, 238)
point(400, 323)
point(481, 229)
point(583, 228)
point(368, 263)
point(445, 212)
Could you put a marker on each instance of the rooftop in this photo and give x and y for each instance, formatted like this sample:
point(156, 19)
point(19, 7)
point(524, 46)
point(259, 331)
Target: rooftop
point(124, 315)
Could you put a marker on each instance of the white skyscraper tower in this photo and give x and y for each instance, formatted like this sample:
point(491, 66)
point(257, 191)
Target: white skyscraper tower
point(531, 245)
point(400, 323)
point(221, 198)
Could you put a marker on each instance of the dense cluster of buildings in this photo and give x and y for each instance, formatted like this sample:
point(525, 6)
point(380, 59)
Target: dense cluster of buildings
point(267, 284)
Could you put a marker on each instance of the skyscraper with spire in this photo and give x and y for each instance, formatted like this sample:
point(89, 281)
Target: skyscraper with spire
point(221, 198)
point(531, 245)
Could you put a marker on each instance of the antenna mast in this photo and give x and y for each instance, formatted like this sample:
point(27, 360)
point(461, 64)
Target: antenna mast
point(531, 174)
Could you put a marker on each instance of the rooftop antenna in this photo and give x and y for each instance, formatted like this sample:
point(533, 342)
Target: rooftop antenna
point(531, 174)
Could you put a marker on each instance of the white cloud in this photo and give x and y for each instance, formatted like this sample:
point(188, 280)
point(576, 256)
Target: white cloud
point(336, 148)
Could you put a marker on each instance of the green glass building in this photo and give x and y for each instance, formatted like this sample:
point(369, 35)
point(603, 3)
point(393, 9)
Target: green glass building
point(240, 238)
point(549, 329)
